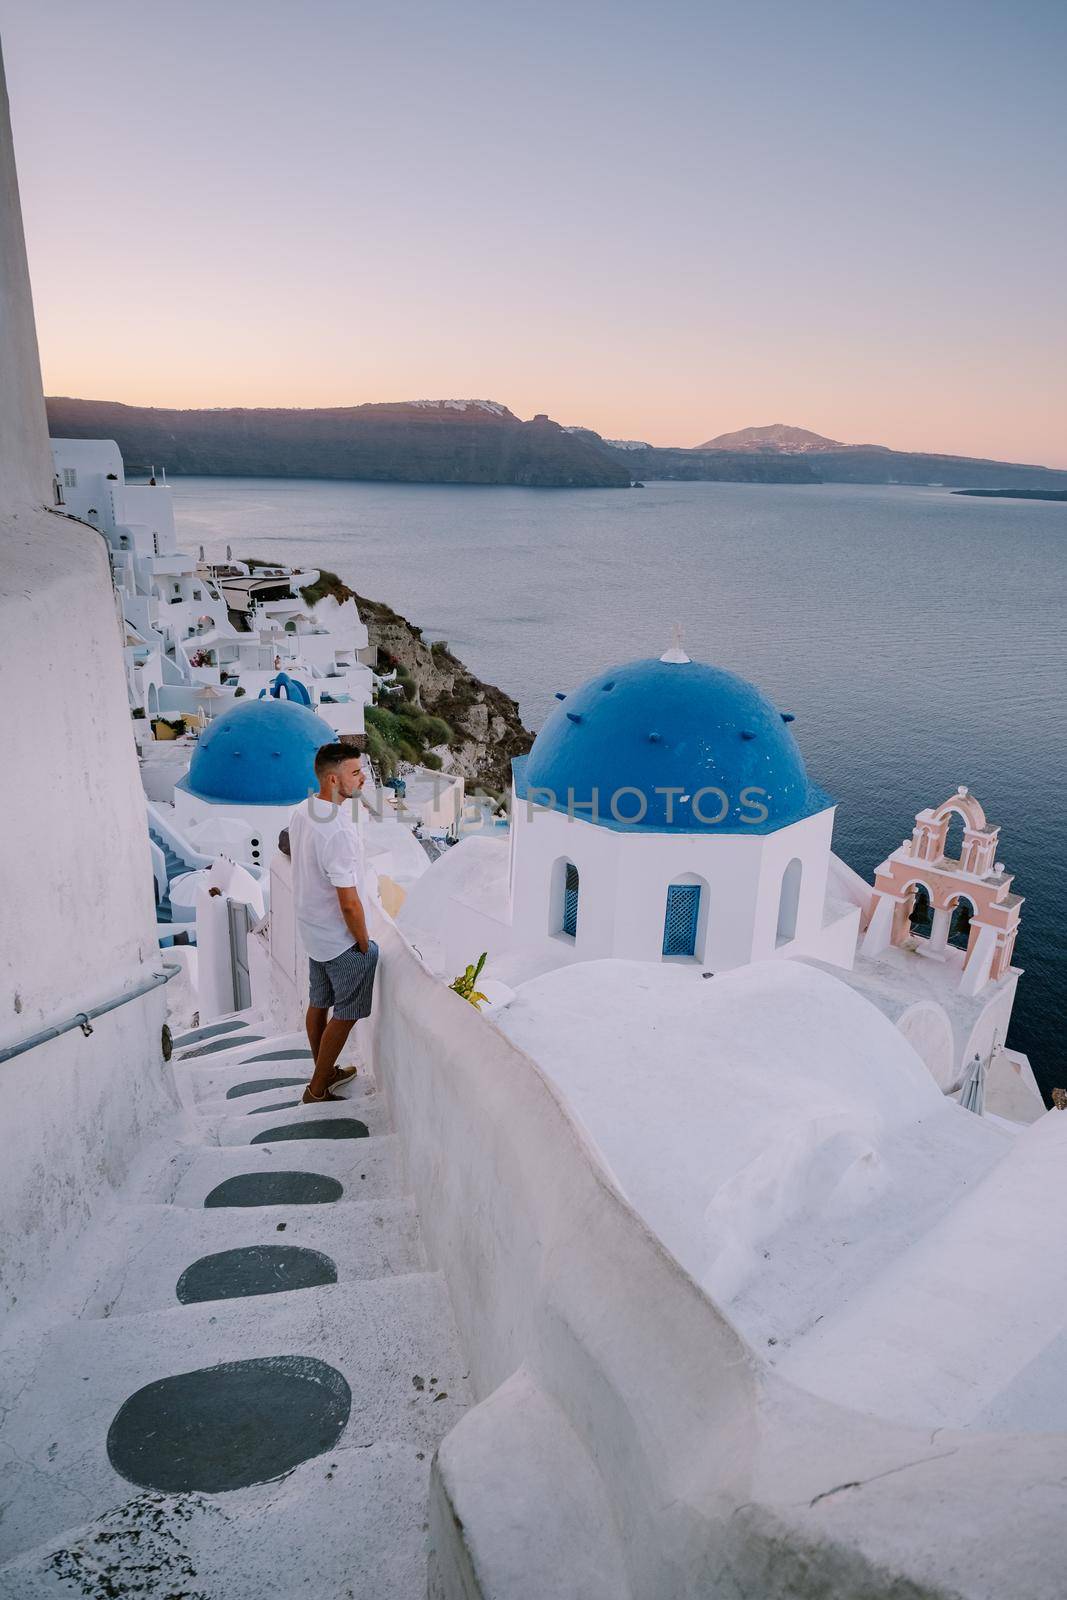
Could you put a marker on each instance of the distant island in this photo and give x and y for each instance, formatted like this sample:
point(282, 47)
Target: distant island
point(421, 441)
point(834, 462)
point(1015, 494)
point(483, 442)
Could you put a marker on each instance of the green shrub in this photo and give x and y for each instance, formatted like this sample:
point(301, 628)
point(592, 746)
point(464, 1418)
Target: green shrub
point(435, 730)
point(383, 755)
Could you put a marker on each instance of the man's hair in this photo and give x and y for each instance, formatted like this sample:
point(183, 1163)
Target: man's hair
point(329, 757)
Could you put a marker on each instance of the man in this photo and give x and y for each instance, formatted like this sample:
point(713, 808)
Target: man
point(327, 856)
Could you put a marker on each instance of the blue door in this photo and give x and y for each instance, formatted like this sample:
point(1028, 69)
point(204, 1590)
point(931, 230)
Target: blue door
point(680, 923)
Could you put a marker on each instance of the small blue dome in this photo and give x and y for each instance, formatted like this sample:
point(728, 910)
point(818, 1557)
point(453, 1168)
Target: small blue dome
point(260, 753)
point(638, 730)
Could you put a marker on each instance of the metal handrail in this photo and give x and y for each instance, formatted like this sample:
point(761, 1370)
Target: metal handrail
point(83, 1018)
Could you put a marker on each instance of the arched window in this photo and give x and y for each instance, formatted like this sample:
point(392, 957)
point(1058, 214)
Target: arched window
point(563, 901)
point(954, 838)
point(959, 929)
point(789, 901)
point(920, 917)
point(681, 920)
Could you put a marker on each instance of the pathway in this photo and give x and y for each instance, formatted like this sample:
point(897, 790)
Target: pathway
point(247, 1403)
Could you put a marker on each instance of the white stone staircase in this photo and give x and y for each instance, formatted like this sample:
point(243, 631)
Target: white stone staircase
point(349, 1520)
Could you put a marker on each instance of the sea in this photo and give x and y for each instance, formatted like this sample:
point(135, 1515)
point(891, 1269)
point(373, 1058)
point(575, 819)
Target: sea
point(919, 637)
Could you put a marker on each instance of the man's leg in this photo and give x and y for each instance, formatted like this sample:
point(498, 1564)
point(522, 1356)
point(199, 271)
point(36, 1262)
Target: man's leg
point(332, 1043)
point(316, 1023)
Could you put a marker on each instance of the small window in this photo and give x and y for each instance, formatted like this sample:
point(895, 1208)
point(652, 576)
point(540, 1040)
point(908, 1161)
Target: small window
point(70, 478)
point(681, 920)
point(789, 902)
point(570, 900)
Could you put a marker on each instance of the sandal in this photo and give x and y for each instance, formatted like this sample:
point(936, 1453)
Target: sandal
point(342, 1075)
point(309, 1099)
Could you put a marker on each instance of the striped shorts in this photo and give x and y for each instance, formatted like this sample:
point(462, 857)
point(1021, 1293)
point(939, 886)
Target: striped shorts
point(346, 983)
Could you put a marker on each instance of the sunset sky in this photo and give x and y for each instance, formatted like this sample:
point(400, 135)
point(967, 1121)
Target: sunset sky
point(662, 221)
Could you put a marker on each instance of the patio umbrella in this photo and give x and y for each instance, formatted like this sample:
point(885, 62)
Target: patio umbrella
point(972, 1089)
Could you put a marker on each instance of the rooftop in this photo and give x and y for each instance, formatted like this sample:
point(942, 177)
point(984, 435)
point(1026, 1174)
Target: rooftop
point(678, 746)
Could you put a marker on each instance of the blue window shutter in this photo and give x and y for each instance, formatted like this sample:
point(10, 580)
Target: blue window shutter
point(680, 922)
point(570, 900)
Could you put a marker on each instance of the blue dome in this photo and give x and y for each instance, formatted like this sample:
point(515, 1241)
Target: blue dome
point(657, 725)
point(260, 753)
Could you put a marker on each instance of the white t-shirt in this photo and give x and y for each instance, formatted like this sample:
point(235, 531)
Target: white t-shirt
point(327, 854)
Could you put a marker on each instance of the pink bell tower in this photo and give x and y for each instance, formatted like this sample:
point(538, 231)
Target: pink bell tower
point(970, 893)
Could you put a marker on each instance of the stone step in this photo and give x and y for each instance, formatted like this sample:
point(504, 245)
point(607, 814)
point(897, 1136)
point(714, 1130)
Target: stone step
point(297, 1124)
point(355, 1169)
point(145, 1250)
point(213, 1030)
point(332, 1369)
point(236, 1089)
point(251, 1044)
point(351, 1523)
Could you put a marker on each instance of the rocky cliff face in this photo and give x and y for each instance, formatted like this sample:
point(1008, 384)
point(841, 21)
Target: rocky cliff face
point(487, 729)
point(419, 441)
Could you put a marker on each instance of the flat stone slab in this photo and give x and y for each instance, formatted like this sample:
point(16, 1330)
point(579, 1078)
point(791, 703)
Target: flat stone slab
point(281, 1055)
point(276, 1189)
point(211, 1032)
point(227, 1427)
point(234, 1125)
point(216, 1046)
point(257, 1085)
point(254, 1269)
point(369, 1169)
point(365, 1237)
point(68, 1386)
point(334, 1128)
point(357, 1512)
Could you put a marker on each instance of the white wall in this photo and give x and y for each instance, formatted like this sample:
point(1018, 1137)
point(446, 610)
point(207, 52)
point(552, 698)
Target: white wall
point(627, 1445)
point(78, 923)
point(928, 1030)
point(624, 879)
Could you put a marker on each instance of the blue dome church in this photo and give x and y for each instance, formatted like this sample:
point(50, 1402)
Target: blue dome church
point(251, 766)
point(259, 753)
point(664, 812)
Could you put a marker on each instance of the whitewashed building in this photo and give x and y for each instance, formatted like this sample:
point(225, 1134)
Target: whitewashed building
point(641, 1286)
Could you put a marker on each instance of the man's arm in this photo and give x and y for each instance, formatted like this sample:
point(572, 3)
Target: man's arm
point(352, 911)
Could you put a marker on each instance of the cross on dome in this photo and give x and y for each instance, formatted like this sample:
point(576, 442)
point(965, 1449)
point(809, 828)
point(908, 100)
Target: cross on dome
point(676, 653)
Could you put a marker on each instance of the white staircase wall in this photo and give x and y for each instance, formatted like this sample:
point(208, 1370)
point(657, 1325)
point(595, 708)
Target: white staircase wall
point(78, 920)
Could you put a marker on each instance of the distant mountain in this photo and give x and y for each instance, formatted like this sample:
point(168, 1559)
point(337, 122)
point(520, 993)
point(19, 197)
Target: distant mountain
point(830, 461)
point(778, 438)
point(641, 461)
point(481, 441)
point(417, 441)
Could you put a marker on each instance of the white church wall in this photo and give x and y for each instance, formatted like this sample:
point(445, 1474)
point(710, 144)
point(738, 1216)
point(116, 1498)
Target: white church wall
point(635, 1424)
point(991, 1027)
point(926, 1027)
point(78, 925)
point(624, 877)
point(200, 819)
point(808, 842)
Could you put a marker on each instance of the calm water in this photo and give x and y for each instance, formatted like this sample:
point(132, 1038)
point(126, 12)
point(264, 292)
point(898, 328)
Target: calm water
point(919, 637)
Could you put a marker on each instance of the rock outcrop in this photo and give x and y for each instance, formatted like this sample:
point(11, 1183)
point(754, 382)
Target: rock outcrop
point(485, 723)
